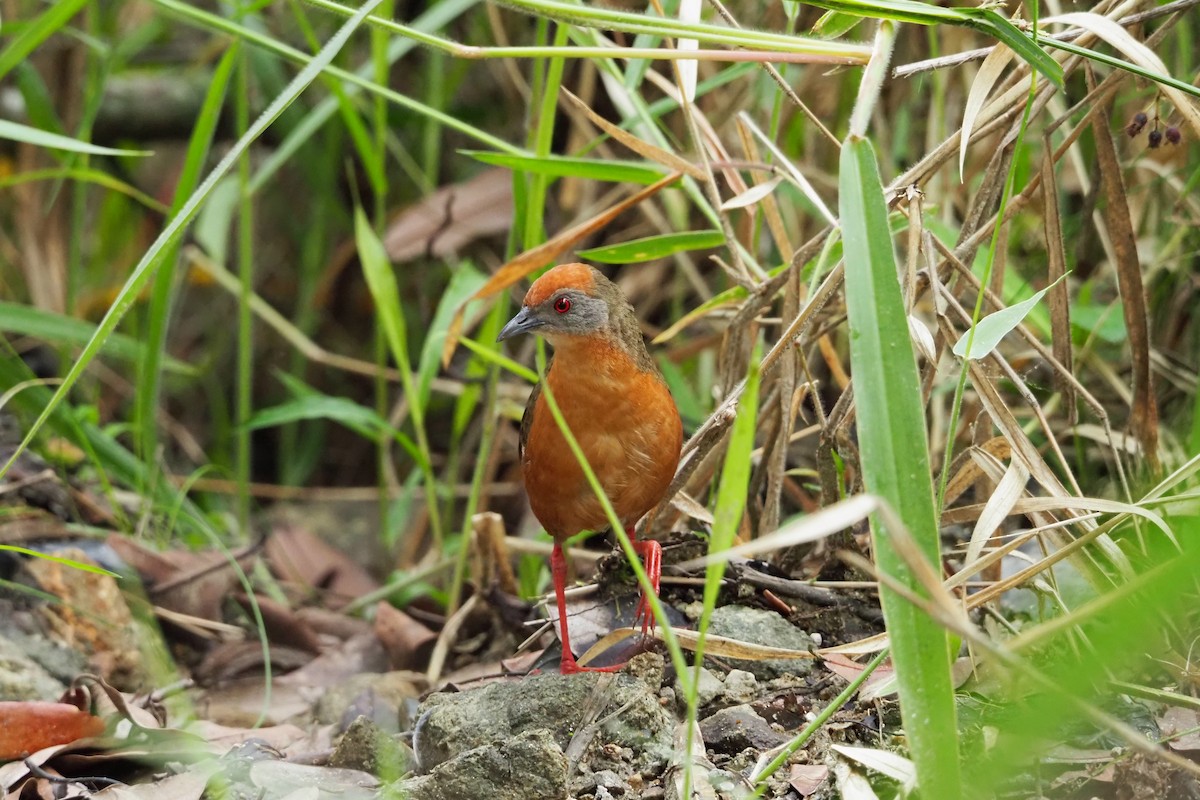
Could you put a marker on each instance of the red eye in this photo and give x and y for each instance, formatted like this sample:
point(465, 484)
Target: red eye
point(562, 305)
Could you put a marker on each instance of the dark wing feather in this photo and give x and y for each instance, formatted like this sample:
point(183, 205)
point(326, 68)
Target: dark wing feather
point(527, 420)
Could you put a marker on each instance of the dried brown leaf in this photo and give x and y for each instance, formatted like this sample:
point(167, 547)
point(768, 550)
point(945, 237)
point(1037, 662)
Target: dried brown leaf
point(639, 146)
point(449, 219)
point(1144, 418)
point(1058, 298)
point(297, 555)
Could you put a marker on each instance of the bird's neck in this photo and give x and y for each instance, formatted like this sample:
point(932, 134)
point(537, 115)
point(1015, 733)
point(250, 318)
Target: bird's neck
point(588, 363)
point(618, 347)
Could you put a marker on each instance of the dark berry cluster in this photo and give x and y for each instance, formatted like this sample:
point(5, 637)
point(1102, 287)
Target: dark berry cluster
point(1156, 136)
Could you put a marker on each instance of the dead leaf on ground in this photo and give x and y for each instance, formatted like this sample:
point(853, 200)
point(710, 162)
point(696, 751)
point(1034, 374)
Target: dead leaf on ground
point(228, 660)
point(189, 785)
point(408, 643)
point(1183, 721)
point(846, 668)
point(299, 556)
point(186, 582)
point(806, 779)
point(283, 625)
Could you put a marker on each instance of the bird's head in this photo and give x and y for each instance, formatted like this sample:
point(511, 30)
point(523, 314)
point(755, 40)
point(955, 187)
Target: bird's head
point(571, 300)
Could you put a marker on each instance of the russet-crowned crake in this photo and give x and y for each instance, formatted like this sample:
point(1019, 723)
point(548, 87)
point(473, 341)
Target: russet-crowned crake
point(617, 406)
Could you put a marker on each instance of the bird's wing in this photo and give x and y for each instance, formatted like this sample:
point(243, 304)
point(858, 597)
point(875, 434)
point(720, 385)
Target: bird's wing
point(527, 420)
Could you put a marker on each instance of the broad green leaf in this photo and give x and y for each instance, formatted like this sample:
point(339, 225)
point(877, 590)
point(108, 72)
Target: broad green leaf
point(833, 24)
point(341, 410)
point(994, 327)
point(895, 465)
point(653, 247)
point(1104, 321)
point(564, 166)
point(310, 404)
point(15, 131)
point(1021, 44)
point(381, 281)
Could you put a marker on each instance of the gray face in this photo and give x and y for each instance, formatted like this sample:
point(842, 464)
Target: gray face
point(569, 312)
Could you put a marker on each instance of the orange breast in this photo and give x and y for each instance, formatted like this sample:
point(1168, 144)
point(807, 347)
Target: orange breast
point(628, 427)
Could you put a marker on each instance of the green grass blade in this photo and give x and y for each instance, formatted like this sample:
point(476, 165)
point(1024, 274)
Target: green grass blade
point(86, 175)
point(171, 233)
point(465, 281)
point(37, 31)
point(66, 562)
point(567, 167)
point(16, 132)
point(201, 18)
point(489, 356)
point(61, 329)
point(382, 284)
point(654, 247)
point(631, 22)
point(895, 464)
point(163, 293)
point(1026, 48)
point(982, 19)
point(437, 16)
point(727, 518)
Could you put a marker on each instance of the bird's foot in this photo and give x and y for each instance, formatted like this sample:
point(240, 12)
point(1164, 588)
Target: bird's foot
point(651, 554)
point(570, 667)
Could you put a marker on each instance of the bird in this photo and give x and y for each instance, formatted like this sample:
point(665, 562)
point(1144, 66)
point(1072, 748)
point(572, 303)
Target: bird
point(618, 407)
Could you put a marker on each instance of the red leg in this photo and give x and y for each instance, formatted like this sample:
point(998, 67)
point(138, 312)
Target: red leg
point(651, 554)
point(558, 569)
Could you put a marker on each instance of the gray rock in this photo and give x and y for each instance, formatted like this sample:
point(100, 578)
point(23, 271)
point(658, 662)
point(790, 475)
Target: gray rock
point(278, 780)
point(757, 626)
point(740, 686)
point(648, 668)
point(451, 724)
point(22, 678)
point(611, 781)
point(530, 766)
point(381, 696)
point(710, 688)
point(731, 730)
point(366, 747)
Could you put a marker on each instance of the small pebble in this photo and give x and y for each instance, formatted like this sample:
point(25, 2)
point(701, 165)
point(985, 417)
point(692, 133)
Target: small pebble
point(740, 686)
